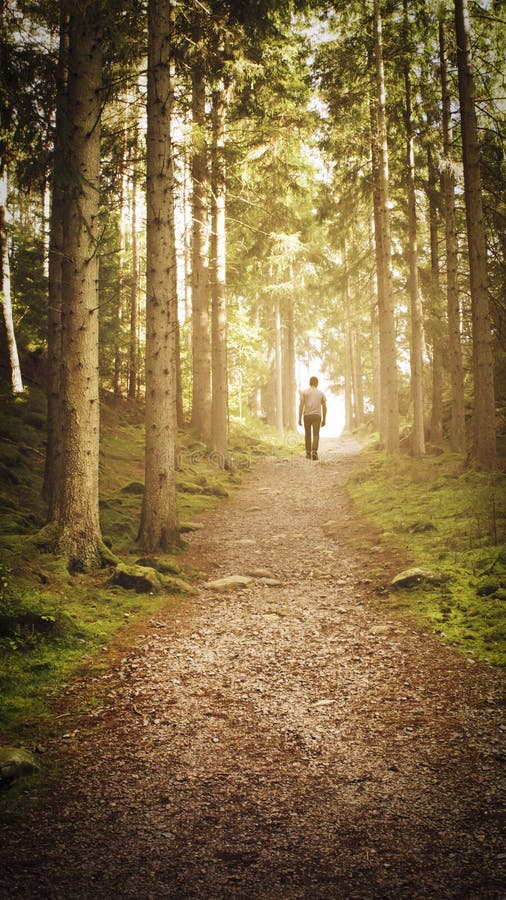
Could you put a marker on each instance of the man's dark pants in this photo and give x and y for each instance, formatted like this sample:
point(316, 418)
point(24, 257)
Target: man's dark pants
point(312, 430)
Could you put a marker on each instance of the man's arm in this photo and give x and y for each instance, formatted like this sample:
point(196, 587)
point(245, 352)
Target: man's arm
point(301, 409)
point(324, 411)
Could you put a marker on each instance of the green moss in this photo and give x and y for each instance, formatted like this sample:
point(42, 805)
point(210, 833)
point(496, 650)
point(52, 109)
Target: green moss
point(174, 585)
point(188, 487)
point(164, 565)
point(141, 579)
point(440, 515)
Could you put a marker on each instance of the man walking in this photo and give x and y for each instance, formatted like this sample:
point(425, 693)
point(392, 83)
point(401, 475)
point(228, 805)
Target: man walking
point(314, 407)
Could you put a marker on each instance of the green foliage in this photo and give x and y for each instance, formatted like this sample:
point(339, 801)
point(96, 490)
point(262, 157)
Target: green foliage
point(26, 97)
point(29, 287)
point(21, 460)
point(438, 514)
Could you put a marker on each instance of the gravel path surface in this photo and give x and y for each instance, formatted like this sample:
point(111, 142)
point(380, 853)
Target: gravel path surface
point(287, 739)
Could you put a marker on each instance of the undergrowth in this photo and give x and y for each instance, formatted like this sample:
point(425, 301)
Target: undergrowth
point(53, 624)
point(451, 519)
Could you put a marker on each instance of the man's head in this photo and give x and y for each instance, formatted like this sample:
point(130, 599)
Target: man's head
point(313, 381)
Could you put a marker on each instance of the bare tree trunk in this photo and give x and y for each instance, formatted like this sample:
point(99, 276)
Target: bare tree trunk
point(179, 380)
point(187, 225)
point(376, 376)
point(458, 422)
point(435, 328)
point(134, 289)
point(348, 380)
point(55, 260)
point(483, 365)
point(118, 310)
point(77, 501)
point(356, 368)
point(278, 365)
point(289, 376)
point(416, 349)
point(386, 321)
point(187, 271)
point(218, 279)
point(159, 521)
point(5, 287)
point(201, 402)
point(348, 368)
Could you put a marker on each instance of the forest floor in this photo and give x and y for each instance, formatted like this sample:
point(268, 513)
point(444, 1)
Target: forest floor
point(288, 739)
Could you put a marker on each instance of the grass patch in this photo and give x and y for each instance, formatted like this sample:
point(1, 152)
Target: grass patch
point(440, 515)
point(47, 637)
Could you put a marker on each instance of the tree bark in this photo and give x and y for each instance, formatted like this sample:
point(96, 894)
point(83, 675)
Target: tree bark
point(357, 378)
point(348, 366)
point(375, 362)
point(483, 367)
point(5, 287)
point(416, 348)
point(201, 343)
point(348, 380)
point(278, 366)
point(118, 310)
point(386, 321)
point(435, 327)
point(133, 363)
point(159, 521)
point(187, 201)
point(458, 421)
point(219, 425)
point(77, 508)
point(55, 261)
point(289, 375)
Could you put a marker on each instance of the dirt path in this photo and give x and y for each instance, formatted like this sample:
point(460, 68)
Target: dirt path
point(286, 740)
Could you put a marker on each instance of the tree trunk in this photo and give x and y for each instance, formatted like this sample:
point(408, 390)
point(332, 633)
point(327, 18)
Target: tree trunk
point(5, 286)
point(278, 365)
point(386, 321)
point(187, 271)
point(118, 310)
point(458, 421)
point(376, 373)
point(356, 368)
point(289, 376)
point(187, 226)
point(134, 288)
point(77, 507)
point(55, 261)
point(435, 328)
point(201, 344)
point(416, 348)
point(218, 281)
point(159, 522)
point(348, 368)
point(179, 379)
point(348, 380)
point(483, 367)
point(458, 425)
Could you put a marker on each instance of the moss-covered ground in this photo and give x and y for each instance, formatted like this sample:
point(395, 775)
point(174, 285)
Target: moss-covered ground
point(53, 624)
point(439, 514)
